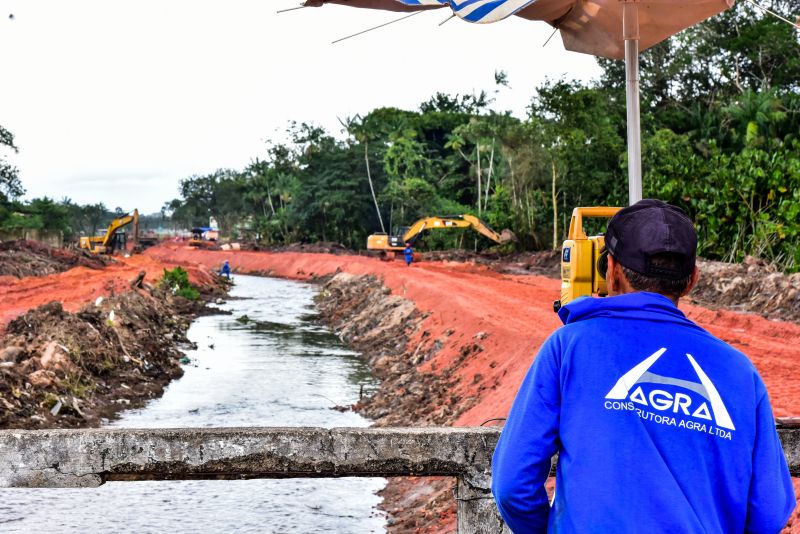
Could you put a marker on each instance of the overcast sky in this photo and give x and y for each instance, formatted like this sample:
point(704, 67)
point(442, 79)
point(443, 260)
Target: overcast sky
point(117, 101)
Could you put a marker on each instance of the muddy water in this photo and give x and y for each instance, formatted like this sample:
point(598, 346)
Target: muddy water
point(276, 369)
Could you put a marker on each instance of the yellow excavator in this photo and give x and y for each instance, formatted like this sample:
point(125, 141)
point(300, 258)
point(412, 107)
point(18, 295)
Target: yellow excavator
point(105, 244)
point(388, 244)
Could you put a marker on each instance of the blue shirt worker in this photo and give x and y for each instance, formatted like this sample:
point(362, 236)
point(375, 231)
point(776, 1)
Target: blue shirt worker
point(226, 270)
point(660, 427)
point(408, 253)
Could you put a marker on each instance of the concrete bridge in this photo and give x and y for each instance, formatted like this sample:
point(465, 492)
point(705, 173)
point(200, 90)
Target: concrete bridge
point(89, 458)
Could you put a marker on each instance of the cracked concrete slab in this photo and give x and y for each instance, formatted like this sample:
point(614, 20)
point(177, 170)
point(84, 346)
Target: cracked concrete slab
point(85, 458)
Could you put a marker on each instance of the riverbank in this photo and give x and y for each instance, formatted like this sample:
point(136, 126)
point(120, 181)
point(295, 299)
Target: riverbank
point(264, 362)
point(85, 342)
point(452, 341)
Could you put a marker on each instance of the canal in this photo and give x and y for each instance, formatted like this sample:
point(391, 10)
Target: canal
point(268, 363)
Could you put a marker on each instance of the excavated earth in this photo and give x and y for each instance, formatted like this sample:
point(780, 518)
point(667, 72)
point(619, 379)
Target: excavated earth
point(452, 340)
point(22, 258)
point(73, 369)
point(95, 337)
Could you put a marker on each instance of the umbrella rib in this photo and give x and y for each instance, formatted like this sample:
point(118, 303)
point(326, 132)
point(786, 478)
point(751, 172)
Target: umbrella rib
point(376, 27)
point(448, 19)
point(551, 36)
point(777, 16)
point(291, 9)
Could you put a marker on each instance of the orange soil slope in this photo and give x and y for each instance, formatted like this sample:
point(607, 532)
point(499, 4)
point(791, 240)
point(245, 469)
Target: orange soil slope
point(507, 316)
point(81, 285)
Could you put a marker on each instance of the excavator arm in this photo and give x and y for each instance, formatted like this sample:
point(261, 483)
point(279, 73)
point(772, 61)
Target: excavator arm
point(395, 243)
point(431, 223)
point(455, 221)
point(484, 229)
point(116, 224)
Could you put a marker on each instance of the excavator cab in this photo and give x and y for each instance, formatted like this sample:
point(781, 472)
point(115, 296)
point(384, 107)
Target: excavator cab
point(387, 244)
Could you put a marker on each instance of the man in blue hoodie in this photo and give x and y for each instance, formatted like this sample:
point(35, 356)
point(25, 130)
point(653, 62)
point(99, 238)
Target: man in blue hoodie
point(659, 426)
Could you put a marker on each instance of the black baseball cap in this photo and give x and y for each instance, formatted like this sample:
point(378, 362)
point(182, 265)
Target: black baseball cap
point(650, 227)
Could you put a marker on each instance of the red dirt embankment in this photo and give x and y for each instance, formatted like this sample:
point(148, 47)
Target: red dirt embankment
point(502, 319)
point(80, 285)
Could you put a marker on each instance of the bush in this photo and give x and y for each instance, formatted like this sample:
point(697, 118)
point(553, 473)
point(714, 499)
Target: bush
point(177, 281)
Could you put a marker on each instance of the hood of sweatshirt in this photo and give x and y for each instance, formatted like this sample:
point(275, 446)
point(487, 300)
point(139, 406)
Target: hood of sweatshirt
point(642, 305)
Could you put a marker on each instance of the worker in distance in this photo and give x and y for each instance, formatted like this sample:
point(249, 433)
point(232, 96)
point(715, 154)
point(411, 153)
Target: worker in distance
point(660, 427)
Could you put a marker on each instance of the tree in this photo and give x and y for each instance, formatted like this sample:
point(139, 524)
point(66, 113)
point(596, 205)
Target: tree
point(94, 213)
point(10, 184)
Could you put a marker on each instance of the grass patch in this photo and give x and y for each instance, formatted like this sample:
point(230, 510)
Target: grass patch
point(177, 281)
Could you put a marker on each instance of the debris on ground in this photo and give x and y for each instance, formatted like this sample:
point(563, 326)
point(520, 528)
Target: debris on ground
point(63, 369)
point(751, 286)
point(20, 258)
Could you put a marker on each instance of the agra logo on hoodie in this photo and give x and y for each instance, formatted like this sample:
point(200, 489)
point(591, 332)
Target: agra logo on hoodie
point(669, 407)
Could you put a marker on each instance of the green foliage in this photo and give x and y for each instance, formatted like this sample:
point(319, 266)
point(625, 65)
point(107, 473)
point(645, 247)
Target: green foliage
point(10, 185)
point(177, 281)
point(743, 203)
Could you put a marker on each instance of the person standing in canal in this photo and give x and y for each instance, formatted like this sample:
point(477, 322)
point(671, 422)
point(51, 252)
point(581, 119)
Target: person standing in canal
point(408, 253)
point(226, 270)
point(659, 426)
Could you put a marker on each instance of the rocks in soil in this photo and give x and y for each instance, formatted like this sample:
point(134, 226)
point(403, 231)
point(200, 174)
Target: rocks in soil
point(73, 369)
point(22, 258)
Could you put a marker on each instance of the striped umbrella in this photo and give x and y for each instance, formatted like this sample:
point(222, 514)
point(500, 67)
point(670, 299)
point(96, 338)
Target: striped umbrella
point(590, 26)
point(608, 28)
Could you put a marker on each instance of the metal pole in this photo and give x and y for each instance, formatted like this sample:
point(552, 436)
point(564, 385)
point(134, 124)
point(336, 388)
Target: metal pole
point(630, 32)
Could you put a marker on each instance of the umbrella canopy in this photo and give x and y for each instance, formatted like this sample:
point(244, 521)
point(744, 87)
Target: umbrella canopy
point(588, 26)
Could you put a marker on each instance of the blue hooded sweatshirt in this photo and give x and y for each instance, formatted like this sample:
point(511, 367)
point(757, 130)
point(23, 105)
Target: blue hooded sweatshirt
point(659, 426)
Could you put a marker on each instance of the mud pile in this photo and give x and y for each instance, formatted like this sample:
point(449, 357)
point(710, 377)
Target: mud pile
point(370, 319)
point(22, 258)
point(751, 286)
point(62, 369)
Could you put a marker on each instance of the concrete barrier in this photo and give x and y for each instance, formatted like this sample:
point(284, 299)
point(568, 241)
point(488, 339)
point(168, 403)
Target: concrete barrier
point(88, 458)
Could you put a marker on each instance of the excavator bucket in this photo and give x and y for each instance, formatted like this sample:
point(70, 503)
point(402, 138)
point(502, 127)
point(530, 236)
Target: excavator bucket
point(507, 236)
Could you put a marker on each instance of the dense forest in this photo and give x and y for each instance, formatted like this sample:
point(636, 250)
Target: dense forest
point(721, 125)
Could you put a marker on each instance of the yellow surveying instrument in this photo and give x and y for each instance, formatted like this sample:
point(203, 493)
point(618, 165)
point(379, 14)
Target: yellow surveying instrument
point(579, 258)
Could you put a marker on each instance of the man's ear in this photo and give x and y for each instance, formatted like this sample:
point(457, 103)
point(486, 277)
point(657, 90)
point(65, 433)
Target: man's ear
point(692, 281)
point(612, 276)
